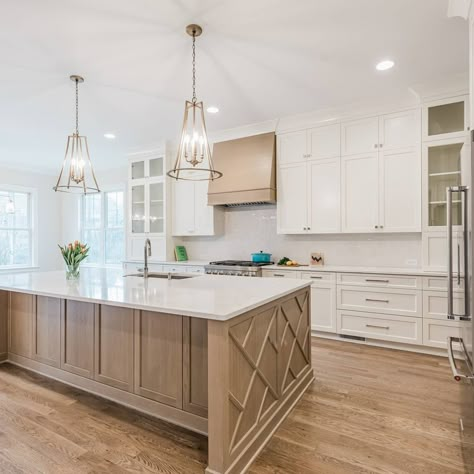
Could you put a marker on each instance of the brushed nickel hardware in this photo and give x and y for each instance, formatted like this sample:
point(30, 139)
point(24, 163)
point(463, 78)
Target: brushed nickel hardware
point(376, 326)
point(381, 145)
point(316, 277)
point(376, 300)
point(458, 376)
point(376, 226)
point(463, 191)
point(278, 275)
point(375, 145)
point(381, 226)
point(147, 253)
point(374, 280)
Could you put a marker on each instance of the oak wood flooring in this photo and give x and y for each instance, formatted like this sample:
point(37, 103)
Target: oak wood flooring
point(370, 410)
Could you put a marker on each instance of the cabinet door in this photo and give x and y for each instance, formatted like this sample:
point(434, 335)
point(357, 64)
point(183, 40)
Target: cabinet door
point(292, 147)
point(360, 193)
point(77, 338)
point(360, 136)
point(114, 347)
point(323, 308)
point(292, 199)
point(400, 191)
point(137, 208)
point(22, 309)
point(156, 207)
point(158, 357)
point(203, 214)
point(183, 207)
point(324, 192)
point(401, 130)
point(3, 325)
point(325, 142)
point(47, 330)
point(446, 118)
point(195, 366)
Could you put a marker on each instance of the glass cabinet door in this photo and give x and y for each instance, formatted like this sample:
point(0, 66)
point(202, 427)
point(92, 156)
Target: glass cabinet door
point(156, 203)
point(156, 167)
point(138, 209)
point(138, 169)
point(445, 118)
point(444, 170)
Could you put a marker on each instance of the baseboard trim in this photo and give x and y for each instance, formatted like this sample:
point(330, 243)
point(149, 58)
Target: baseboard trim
point(130, 400)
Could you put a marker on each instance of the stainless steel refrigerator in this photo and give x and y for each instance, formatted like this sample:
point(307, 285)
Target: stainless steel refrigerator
point(460, 264)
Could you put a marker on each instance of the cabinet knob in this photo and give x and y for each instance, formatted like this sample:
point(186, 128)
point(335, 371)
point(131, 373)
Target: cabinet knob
point(381, 226)
point(376, 226)
point(308, 228)
point(375, 145)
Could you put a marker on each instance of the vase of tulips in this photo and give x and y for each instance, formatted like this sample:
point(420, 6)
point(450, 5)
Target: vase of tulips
point(73, 254)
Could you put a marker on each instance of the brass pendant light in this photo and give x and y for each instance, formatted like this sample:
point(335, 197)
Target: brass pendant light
point(194, 160)
point(77, 174)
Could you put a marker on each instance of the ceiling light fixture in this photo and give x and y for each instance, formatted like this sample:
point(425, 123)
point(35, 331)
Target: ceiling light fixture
point(194, 160)
point(213, 110)
point(109, 136)
point(384, 65)
point(77, 174)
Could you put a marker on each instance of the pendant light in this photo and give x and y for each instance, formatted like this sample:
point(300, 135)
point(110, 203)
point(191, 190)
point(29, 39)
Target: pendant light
point(77, 174)
point(194, 160)
point(10, 207)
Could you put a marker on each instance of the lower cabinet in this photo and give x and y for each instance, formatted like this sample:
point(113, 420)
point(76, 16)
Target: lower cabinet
point(114, 347)
point(22, 308)
point(77, 341)
point(323, 307)
point(195, 366)
point(47, 330)
point(3, 325)
point(437, 331)
point(159, 357)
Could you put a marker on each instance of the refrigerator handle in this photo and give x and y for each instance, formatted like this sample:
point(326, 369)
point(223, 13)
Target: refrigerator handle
point(458, 376)
point(462, 191)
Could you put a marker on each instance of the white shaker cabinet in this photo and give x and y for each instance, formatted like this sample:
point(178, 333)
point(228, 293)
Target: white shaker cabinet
point(360, 136)
point(292, 206)
point(191, 213)
point(324, 142)
point(400, 130)
point(360, 193)
point(292, 147)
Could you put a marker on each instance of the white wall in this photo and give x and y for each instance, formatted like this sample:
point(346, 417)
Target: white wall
point(249, 230)
point(49, 213)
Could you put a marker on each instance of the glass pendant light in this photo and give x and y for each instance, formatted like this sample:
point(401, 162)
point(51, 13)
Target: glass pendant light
point(77, 174)
point(194, 160)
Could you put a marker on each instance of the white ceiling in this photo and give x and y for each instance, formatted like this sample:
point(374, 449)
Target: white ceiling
point(257, 60)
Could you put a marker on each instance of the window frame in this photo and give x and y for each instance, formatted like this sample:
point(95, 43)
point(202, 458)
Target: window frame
point(33, 225)
point(103, 227)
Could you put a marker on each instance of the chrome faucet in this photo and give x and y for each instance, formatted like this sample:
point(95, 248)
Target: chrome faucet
point(147, 254)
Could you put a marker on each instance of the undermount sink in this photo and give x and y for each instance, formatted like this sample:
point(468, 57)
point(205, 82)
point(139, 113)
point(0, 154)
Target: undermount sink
point(164, 276)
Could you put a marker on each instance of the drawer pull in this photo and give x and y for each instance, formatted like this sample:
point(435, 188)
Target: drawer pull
point(372, 280)
point(316, 277)
point(377, 301)
point(278, 275)
point(378, 327)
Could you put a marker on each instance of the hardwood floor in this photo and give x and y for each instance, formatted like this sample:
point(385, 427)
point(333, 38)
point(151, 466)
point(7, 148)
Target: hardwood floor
point(369, 410)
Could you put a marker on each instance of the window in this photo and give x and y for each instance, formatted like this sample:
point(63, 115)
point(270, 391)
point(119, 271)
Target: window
point(102, 227)
point(16, 228)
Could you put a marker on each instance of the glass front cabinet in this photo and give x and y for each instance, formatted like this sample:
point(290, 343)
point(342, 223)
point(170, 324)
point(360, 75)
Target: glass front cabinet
point(147, 209)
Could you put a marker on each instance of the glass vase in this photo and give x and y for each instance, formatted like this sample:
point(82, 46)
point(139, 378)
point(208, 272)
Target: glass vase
point(72, 272)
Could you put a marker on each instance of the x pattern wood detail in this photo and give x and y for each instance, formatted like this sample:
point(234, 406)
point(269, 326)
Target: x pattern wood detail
point(268, 351)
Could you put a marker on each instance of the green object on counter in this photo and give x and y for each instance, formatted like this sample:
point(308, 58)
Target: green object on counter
point(180, 253)
point(283, 261)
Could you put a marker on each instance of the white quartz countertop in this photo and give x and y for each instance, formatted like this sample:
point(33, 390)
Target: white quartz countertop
point(353, 269)
point(202, 296)
point(189, 263)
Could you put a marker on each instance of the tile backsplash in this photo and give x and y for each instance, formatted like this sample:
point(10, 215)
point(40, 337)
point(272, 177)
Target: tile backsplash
point(251, 229)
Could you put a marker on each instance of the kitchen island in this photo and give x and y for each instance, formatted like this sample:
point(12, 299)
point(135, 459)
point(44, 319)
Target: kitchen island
point(221, 355)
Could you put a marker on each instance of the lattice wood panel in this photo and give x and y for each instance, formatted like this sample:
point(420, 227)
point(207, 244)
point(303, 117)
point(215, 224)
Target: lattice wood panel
point(268, 351)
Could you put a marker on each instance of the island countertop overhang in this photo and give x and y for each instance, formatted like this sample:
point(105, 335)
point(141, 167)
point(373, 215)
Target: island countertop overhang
point(204, 296)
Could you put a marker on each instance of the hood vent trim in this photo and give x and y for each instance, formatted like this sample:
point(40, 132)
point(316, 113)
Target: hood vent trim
point(249, 172)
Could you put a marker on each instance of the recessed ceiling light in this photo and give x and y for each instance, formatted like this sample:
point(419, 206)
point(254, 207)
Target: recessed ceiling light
point(384, 65)
point(109, 136)
point(212, 110)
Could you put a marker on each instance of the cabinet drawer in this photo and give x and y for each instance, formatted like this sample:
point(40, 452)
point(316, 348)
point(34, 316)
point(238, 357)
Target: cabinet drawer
point(436, 332)
point(194, 269)
point(380, 326)
point(320, 278)
point(435, 304)
point(441, 284)
point(281, 274)
point(174, 269)
point(379, 280)
point(377, 300)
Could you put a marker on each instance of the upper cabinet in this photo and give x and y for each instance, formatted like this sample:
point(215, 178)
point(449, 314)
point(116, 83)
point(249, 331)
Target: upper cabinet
point(446, 119)
point(360, 176)
point(191, 214)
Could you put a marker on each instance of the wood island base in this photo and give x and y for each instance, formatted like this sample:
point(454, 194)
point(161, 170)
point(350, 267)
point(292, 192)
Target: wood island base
point(233, 380)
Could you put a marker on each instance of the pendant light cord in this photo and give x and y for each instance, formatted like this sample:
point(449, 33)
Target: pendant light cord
point(77, 106)
point(194, 68)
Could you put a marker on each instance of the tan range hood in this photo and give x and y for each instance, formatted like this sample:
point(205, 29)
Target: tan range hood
point(248, 167)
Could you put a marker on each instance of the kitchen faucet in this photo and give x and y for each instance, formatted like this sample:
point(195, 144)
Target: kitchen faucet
point(147, 254)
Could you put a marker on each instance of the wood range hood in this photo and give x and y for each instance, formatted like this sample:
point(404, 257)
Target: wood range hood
point(248, 167)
